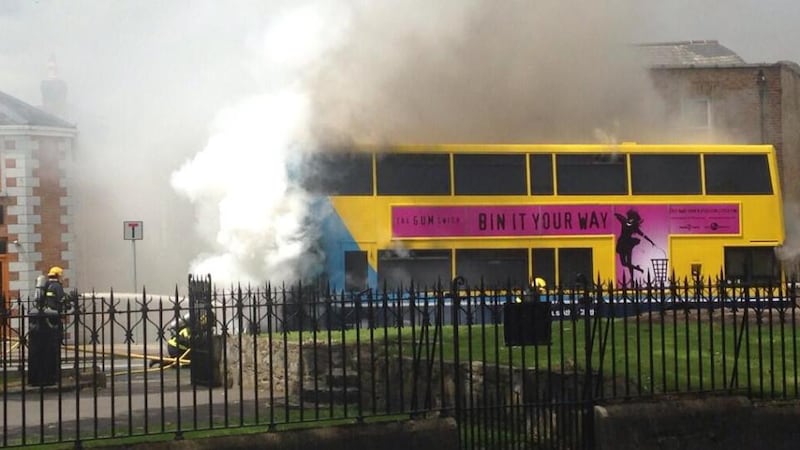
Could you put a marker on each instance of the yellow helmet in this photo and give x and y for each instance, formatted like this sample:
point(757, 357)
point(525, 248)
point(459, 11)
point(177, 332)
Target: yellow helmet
point(55, 271)
point(539, 283)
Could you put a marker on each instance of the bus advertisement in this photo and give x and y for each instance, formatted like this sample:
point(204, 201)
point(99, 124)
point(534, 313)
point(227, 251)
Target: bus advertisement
point(504, 214)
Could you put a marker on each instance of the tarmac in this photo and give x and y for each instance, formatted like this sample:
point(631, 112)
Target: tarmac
point(124, 402)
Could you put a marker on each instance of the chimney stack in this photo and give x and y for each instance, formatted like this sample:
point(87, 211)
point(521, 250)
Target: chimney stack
point(54, 91)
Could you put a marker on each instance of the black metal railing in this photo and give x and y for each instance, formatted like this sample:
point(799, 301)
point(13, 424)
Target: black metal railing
point(271, 356)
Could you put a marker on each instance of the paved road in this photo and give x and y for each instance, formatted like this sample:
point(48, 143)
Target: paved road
point(128, 404)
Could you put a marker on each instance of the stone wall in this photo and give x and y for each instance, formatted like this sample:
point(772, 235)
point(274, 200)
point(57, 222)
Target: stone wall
point(429, 434)
point(708, 423)
point(384, 380)
point(287, 367)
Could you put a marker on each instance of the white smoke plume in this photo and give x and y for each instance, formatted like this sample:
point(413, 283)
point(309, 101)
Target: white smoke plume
point(247, 207)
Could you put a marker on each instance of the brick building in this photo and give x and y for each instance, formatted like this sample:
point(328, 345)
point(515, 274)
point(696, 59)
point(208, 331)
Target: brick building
point(710, 94)
point(36, 226)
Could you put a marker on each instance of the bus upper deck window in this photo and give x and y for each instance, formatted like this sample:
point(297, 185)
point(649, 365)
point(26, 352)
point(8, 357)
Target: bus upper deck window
point(489, 174)
point(737, 174)
point(541, 168)
point(413, 174)
point(592, 174)
point(338, 174)
point(665, 174)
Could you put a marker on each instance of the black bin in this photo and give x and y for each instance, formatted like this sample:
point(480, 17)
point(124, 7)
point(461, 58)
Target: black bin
point(205, 342)
point(44, 349)
point(527, 323)
point(206, 359)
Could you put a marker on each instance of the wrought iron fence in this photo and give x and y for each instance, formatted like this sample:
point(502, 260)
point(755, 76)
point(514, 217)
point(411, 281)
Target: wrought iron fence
point(515, 369)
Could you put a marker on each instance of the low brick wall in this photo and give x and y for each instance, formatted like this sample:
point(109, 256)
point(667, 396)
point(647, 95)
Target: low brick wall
point(701, 422)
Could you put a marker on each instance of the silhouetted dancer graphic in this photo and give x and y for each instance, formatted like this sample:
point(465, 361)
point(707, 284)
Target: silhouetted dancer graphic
point(627, 240)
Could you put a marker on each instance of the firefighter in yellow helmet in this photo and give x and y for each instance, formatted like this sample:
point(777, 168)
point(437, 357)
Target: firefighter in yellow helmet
point(537, 289)
point(53, 297)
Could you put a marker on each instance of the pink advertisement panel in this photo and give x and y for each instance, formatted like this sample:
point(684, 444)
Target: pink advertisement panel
point(641, 231)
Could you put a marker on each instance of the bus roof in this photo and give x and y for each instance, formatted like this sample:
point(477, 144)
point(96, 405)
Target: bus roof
point(626, 147)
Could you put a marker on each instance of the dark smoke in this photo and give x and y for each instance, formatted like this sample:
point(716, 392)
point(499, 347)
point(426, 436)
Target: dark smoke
point(485, 71)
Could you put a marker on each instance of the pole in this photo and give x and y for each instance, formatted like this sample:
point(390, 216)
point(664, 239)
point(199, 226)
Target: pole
point(761, 81)
point(135, 284)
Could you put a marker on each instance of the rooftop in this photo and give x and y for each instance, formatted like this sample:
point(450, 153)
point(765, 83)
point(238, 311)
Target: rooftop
point(14, 111)
point(688, 53)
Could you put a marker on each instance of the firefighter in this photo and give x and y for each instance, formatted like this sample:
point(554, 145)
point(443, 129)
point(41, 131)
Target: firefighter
point(180, 340)
point(46, 329)
point(51, 296)
point(537, 289)
point(534, 292)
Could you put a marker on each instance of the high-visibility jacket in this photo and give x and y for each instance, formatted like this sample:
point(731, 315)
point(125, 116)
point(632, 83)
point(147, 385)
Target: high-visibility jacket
point(181, 339)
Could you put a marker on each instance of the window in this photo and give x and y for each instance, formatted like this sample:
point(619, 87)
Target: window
point(339, 174)
point(3, 246)
point(425, 268)
point(571, 263)
point(751, 264)
point(355, 270)
point(489, 174)
point(541, 174)
point(588, 174)
point(497, 268)
point(544, 264)
point(10, 145)
point(696, 112)
point(665, 174)
point(413, 174)
point(737, 174)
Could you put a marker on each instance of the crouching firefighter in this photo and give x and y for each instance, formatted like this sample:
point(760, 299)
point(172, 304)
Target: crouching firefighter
point(179, 341)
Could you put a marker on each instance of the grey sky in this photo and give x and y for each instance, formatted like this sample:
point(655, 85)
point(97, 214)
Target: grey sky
point(124, 37)
point(146, 79)
point(758, 30)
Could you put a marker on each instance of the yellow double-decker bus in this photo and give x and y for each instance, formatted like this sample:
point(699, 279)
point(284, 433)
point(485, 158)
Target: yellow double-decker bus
point(508, 213)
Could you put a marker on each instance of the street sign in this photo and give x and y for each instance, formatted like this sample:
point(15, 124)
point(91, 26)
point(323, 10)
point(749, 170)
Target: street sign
point(133, 230)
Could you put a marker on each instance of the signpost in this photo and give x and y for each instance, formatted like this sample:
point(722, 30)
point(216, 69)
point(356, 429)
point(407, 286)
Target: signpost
point(133, 230)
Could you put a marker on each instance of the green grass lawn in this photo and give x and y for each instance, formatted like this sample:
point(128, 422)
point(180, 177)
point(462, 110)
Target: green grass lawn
point(645, 355)
point(653, 357)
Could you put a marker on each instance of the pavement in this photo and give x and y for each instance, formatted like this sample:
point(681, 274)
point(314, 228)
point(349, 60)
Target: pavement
point(121, 403)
